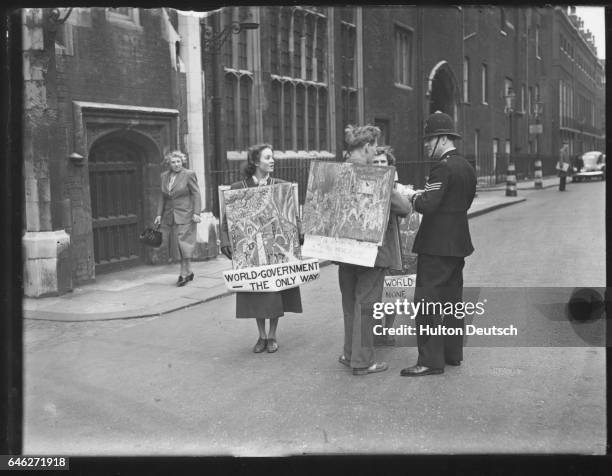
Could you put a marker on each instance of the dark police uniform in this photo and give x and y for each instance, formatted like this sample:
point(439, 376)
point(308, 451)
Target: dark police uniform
point(442, 243)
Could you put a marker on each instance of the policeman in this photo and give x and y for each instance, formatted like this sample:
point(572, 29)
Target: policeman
point(442, 243)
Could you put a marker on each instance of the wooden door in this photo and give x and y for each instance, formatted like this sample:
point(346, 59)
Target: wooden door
point(115, 180)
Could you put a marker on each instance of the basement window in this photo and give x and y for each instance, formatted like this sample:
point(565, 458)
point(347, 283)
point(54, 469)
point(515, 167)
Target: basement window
point(127, 17)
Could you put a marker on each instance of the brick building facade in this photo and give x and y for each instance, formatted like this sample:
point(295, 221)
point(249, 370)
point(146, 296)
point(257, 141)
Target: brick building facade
point(109, 90)
point(393, 70)
point(105, 99)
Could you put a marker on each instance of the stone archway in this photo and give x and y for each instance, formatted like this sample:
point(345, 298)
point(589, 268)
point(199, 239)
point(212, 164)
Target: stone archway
point(443, 90)
point(142, 135)
point(121, 192)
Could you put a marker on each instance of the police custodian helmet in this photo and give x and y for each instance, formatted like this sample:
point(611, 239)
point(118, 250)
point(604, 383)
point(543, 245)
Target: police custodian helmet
point(440, 124)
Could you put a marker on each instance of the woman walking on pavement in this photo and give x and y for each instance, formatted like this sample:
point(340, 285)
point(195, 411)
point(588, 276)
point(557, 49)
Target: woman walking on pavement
point(178, 211)
point(264, 305)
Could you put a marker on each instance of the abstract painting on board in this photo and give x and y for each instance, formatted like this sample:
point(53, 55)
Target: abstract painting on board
point(348, 201)
point(262, 225)
point(346, 211)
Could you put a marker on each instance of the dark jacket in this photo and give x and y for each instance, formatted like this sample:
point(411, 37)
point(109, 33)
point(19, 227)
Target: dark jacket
point(183, 201)
point(448, 195)
point(389, 254)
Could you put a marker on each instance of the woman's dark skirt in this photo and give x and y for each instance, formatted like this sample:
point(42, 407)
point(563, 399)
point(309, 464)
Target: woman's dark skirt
point(268, 305)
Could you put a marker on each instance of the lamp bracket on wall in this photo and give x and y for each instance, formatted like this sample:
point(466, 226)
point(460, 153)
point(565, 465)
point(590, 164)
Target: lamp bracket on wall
point(214, 41)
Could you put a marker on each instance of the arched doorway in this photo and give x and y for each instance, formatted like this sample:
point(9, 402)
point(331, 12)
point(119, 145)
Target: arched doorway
point(442, 90)
point(116, 189)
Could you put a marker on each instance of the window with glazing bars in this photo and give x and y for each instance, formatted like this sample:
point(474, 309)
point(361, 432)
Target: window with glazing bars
point(238, 86)
point(298, 65)
point(403, 56)
point(348, 45)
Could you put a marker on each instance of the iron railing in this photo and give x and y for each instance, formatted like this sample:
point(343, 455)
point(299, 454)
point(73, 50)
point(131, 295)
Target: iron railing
point(489, 171)
point(291, 170)
point(492, 170)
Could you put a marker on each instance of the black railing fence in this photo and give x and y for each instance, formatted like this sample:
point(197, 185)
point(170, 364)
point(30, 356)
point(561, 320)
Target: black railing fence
point(291, 170)
point(416, 173)
point(492, 170)
point(488, 171)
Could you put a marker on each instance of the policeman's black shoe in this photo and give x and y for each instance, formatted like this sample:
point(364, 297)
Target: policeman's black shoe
point(455, 363)
point(419, 371)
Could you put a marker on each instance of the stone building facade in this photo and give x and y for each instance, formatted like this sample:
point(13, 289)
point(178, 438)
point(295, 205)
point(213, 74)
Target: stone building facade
point(105, 99)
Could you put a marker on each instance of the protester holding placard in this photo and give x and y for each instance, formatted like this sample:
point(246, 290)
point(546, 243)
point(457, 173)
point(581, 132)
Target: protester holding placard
point(361, 284)
point(261, 305)
point(384, 157)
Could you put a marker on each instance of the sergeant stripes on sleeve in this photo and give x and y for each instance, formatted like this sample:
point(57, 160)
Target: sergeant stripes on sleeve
point(433, 186)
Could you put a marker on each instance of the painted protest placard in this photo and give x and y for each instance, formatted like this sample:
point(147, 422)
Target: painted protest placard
point(263, 230)
point(274, 277)
point(399, 287)
point(262, 225)
point(408, 228)
point(346, 211)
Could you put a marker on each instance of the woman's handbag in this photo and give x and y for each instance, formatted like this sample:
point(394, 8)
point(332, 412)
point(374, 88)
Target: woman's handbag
point(151, 237)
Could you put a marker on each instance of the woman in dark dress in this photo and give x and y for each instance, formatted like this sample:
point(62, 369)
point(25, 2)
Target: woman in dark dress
point(270, 305)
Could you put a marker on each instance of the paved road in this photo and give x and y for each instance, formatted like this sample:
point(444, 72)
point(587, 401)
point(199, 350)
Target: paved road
point(187, 382)
point(552, 239)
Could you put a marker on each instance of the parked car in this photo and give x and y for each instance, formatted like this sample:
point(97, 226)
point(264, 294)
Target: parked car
point(591, 165)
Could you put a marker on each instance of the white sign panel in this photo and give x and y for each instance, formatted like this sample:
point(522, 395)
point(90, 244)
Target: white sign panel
point(399, 288)
point(345, 250)
point(272, 277)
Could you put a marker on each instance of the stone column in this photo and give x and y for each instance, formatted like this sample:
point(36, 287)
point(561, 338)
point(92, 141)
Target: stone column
point(47, 264)
point(189, 31)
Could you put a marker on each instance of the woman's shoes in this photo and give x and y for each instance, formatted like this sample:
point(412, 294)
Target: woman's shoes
point(182, 281)
point(260, 346)
point(265, 344)
point(272, 346)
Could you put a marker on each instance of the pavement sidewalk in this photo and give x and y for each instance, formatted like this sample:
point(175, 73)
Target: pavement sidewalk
point(147, 291)
point(547, 182)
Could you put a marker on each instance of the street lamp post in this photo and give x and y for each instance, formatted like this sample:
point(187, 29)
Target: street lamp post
point(509, 110)
point(511, 169)
point(538, 110)
point(582, 122)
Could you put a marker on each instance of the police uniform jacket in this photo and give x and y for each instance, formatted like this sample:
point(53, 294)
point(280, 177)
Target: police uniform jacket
point(448, 195)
